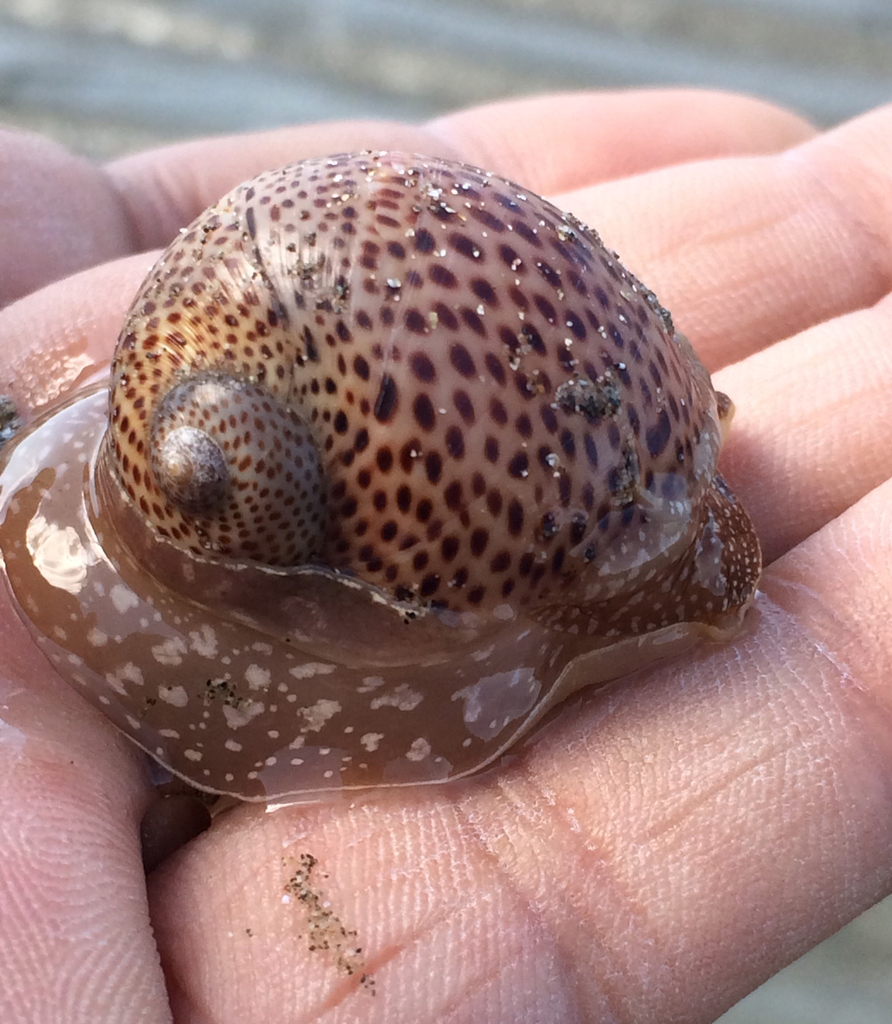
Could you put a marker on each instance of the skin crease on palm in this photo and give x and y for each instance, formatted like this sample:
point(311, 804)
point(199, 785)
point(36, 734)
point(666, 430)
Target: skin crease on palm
point(661, 847)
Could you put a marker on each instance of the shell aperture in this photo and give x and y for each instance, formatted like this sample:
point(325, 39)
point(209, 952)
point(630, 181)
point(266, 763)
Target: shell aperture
point(395, 456)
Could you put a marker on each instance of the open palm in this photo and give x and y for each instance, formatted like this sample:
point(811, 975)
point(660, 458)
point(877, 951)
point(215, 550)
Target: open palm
point(662, 846)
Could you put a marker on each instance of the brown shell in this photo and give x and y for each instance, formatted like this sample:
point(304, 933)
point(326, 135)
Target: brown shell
point(405, 445)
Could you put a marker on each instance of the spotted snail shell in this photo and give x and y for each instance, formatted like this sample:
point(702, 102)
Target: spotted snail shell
point(395, 456)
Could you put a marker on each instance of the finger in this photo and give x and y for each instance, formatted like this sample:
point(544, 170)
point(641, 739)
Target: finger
point(810, 435)
point(748, 250)
point(746, 790)
point(91, 214)
point(566, 141)
point(56, 339)
point(658, 851)
point(75, 937)
point(297, 926)
point(59, 214)
point(538, 140)
point(167, 187)
point(164, 189)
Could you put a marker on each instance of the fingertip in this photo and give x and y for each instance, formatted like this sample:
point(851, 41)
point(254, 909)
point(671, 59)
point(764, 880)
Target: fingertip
point(564, 141)
point(59, 211)
point(57, 338)
point(73, 887)
point(164, 189)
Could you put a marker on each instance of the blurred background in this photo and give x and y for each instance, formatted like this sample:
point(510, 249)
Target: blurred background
point(109, 76)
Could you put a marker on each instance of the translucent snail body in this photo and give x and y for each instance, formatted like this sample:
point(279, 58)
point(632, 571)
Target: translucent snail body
point(394, 456)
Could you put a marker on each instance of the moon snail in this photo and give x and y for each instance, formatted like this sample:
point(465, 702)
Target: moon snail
point(394, 456)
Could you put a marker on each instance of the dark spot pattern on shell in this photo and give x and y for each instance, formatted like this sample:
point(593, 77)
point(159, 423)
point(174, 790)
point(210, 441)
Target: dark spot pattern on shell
point(409, 388)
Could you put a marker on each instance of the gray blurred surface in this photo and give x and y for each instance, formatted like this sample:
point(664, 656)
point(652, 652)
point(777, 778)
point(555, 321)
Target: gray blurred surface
point(110, 76)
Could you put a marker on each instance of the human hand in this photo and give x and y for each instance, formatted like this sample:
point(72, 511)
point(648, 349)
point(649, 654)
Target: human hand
point(660, 847)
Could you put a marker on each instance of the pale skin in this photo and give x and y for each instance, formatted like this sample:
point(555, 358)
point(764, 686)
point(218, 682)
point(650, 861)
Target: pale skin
point(662, 847)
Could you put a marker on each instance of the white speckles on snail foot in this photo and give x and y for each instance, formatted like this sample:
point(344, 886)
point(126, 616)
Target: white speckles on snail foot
point(395, 455)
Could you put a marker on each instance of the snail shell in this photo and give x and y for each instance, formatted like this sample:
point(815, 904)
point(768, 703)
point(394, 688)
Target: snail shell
point(395, 455)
